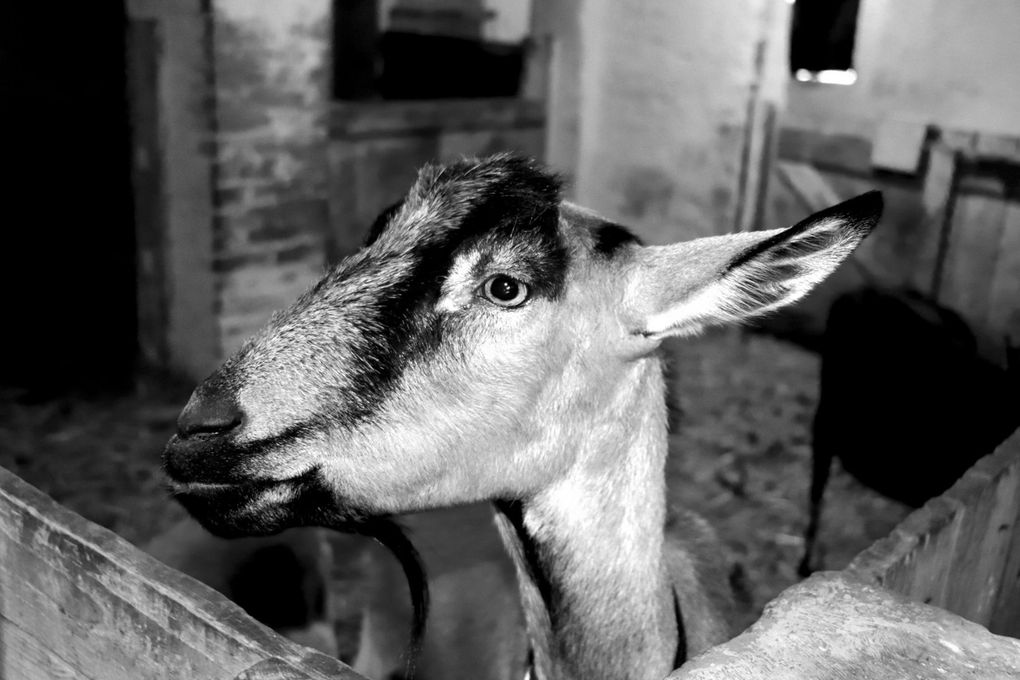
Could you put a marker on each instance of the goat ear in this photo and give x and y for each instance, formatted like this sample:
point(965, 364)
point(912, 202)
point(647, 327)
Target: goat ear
point(681, 288)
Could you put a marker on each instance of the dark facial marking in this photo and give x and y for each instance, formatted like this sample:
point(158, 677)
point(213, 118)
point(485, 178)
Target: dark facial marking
point(499, 198)
point(382, 221)
point(610, 238)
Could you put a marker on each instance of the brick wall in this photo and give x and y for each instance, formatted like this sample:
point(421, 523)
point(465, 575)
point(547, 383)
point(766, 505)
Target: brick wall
point(264, 180)
point(271, 211)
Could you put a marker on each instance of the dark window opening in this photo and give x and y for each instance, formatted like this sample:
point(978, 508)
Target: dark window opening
point(422, 49)
point(822, 41)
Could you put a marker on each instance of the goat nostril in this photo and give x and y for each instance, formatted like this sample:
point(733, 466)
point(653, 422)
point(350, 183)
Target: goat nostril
point(205, 415)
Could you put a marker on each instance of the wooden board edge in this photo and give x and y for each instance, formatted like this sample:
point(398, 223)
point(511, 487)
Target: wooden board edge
point(207, 605)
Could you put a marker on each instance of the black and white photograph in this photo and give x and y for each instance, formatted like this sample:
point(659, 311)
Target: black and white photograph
point(510, 340)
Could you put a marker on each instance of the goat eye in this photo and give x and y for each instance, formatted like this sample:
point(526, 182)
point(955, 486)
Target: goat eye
point(505, 291)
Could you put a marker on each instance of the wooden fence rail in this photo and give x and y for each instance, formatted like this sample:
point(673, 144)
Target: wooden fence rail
point(907, 607)
point(961, 551)
point(77, 601)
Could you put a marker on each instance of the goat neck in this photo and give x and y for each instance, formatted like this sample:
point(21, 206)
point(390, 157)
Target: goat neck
point(589, 547)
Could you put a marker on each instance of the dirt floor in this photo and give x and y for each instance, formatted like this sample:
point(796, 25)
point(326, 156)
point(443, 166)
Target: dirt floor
point(741, 457)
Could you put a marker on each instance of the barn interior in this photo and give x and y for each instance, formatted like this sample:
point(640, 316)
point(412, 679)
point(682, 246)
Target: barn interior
point(211, 158)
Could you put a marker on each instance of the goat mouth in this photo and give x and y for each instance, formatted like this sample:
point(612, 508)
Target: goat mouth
point(264, 507)
point(237, 509)
point(210, 462)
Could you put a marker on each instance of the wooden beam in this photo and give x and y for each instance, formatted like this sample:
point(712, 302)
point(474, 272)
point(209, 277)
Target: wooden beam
point(808, 184)
point(1004, 297)
point(937, 197)
point(838, 152)
point(76, 600)
point(970, 257)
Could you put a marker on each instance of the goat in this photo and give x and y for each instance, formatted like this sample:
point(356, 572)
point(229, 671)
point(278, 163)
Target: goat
point(493, 342)
point(911, 371)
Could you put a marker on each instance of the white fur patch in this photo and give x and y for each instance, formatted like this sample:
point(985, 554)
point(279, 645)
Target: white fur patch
point(275, 495)
point(458, 289)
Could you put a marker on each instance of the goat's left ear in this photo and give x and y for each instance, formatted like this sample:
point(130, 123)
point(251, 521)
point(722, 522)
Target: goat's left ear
point(679, 289)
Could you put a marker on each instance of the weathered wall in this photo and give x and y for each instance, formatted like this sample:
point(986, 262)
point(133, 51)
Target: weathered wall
point(657, 107)
point(935, 86)
point(272, 68)
point(256, 193)
point(241, 112)
point(946, 62)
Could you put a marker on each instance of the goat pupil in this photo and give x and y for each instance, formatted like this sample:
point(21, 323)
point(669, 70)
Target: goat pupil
point(504, 288)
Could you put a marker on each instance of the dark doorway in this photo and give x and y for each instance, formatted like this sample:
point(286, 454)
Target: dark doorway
point(68, 254)
point(822, 36)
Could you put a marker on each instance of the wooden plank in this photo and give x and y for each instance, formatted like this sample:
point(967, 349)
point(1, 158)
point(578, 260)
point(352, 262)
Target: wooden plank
point(936, 201)
point(914, 559)
point(1005, 619)
point(831, 626)
point(964, 141)
point(24, 657)
point(809, 185)
point(959, 550)
point(898, 146)
point(973, 248)
point(838, 152)
point(990, 493)
point(991, 146)
point(106, 610)
point(366, 177)
point(527, 141)
point(355, 120)
point(1004, 299)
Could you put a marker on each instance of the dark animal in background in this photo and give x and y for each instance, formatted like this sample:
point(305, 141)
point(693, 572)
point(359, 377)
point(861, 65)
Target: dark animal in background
point(906, 403)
